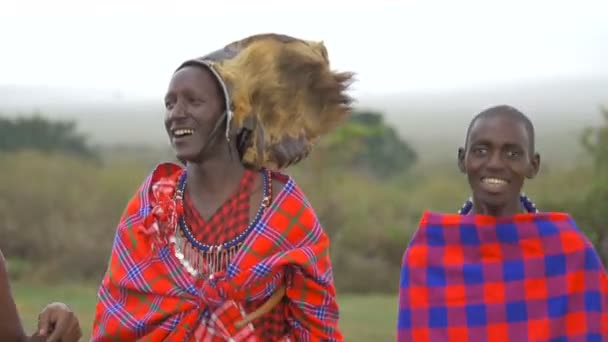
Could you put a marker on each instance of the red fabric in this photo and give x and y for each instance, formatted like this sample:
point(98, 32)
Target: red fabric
point(231, 218)
point(226, 223)
point(147, 295)
point(529, 277)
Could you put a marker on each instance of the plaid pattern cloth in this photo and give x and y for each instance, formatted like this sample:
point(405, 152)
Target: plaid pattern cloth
point(147, 295)
point(230, 220)
point(532, 277)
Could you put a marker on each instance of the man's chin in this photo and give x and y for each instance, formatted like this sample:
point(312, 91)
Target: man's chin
point(495, 200)
point(186, 157)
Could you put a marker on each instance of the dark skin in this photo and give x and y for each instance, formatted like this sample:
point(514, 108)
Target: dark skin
point(497, 158)
point(56, 322)
point(194, 102)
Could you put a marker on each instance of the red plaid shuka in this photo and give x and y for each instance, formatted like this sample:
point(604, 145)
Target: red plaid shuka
point(531, 277)
point(147, 294)
point(231, 219)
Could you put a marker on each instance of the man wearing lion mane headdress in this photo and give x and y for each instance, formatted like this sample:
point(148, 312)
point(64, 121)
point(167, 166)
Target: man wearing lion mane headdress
point(225, 247)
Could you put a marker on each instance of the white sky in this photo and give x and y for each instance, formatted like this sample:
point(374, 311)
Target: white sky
point(134, 45)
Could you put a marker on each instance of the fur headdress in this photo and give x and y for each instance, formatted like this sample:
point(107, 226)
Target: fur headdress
point(281, 96)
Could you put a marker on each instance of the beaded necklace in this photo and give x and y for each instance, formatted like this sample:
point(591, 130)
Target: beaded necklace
point(525, 202)
point(203, 260)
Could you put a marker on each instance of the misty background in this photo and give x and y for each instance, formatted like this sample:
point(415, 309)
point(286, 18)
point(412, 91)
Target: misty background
point(424, 69)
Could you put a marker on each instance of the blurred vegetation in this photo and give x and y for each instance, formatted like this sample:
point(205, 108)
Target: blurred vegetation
point(59, 208)
point(595, 141)
point(591, 208)
point(367, 144)
point(34, 132)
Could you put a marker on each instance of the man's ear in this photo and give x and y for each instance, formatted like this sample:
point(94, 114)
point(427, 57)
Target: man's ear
point(534, 166)
point(461, 160)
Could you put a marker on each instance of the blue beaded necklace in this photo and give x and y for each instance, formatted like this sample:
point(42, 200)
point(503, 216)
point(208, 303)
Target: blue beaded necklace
point(201, 260)
point(525, 202)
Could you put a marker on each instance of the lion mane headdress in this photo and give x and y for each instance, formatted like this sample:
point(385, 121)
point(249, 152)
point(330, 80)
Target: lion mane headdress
point(281, 96)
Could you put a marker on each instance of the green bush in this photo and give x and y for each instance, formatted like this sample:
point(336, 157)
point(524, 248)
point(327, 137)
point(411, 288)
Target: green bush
point(60, 213)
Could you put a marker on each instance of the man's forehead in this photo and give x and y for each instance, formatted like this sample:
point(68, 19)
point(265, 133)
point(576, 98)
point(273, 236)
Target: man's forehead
point(499, 128)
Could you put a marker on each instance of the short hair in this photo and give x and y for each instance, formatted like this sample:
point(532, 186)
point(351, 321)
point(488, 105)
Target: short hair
point(509, 111)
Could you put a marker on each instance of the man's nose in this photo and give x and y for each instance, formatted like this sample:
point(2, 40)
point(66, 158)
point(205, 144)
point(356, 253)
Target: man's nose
point(496, 161)
point(178, 110)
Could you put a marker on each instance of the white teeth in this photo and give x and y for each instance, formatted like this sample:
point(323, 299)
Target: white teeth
point(494, 181)
point(182, 132)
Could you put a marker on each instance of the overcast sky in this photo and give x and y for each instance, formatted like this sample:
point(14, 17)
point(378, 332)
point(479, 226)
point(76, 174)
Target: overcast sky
point(134, 45)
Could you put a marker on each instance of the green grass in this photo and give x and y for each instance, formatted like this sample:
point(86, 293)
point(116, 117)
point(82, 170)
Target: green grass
point(363, 317)
point(368, 317)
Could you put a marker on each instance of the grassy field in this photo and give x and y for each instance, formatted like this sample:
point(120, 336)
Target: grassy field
point(364, 318)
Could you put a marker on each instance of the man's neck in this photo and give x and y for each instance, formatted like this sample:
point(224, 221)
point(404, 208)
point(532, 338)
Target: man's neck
point(509, 209)
point(215, 175)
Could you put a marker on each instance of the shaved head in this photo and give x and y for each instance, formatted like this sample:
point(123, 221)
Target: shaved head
point(505, 111)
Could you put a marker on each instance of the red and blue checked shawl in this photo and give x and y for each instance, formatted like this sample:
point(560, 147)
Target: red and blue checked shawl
point(531, 277)
point(146, 294)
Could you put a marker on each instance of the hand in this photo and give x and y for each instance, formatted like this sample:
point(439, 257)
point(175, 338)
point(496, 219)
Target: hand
point(58, 324)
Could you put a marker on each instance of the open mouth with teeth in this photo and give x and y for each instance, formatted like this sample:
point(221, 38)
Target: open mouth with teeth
point(182, 132)
point(494, 184)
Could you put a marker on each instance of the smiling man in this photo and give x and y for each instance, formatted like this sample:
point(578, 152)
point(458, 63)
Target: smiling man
point(226, 247)
point(498, 156)
point(500, 270)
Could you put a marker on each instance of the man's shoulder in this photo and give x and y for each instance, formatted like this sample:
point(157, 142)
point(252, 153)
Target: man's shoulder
point(166, 170)
point(279, 181)
point(162, 174)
